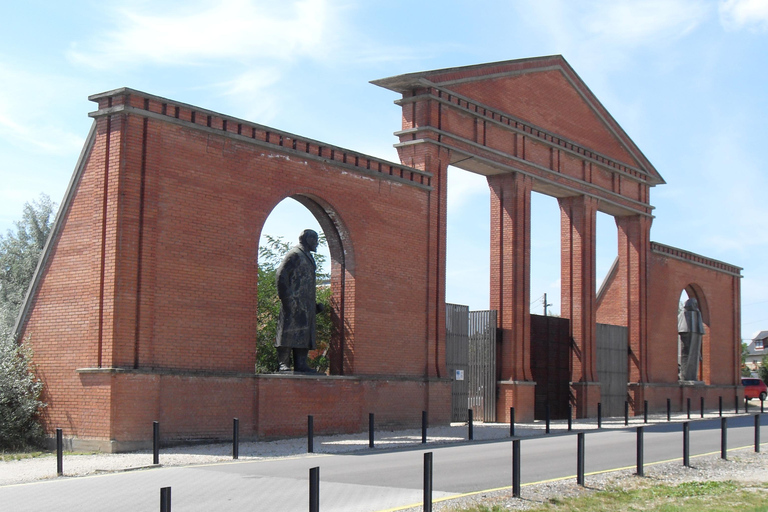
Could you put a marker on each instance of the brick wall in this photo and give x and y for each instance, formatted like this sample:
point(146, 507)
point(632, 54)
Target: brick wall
point(154, 268)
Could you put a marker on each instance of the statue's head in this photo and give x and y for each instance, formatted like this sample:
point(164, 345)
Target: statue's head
point(308, 239)
point(691, 305)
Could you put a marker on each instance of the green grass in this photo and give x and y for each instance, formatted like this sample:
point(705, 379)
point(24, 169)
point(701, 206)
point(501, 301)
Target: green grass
point(34, 454)
point(686, 497)
point(9, 456)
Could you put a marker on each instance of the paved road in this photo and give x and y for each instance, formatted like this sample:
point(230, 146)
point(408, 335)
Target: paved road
point(367, 481)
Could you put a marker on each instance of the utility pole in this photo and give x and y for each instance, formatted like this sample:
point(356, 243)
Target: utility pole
point(546, 305)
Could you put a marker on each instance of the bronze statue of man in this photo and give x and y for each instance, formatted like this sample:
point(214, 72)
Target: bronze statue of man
point(296, 289)
point(690, 328)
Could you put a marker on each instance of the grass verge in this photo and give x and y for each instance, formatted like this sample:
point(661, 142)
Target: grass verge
point(685, 497)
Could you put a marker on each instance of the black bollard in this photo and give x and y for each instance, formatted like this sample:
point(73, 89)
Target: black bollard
point(547, 418)
point(720, 405)
point(314, 489)
point(702, 406)
point(626, 413)
point(762, 403)
point(736, 404)
point(428, 482)
point(599, 415)
point(516, 468)
point(310, 434)
point(757, 433)
point(640, 471)
point(724, 438)
point(156, 443)
point(59, 452)
point(746, 406)
point(511, 422)
point(645, 411)
point(669, 409)
point(165, 499)
point(423, 427)
point(235, 438)
point(370, 430)
point(688, 406)
point(470, 425)
point(570, 418)
point(686, 444)
point(580, 459)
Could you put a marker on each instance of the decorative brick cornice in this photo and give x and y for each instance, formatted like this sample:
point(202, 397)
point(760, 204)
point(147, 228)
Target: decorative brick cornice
point(695, 259)
point(130, 101)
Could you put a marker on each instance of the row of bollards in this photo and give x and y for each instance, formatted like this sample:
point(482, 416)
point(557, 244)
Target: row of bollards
point(428, 469)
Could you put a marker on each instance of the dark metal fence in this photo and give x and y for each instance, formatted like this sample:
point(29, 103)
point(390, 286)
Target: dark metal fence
point(612, 367)
point(457, 358)
point(482, 364)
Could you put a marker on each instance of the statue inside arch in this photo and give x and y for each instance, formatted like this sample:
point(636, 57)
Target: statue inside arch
point(296, 289)
point(690, 329)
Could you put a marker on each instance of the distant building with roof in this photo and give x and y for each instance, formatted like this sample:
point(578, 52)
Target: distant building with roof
point(756, 350)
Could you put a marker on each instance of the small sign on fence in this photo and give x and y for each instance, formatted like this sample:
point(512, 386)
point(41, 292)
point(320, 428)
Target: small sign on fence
point(459, 374)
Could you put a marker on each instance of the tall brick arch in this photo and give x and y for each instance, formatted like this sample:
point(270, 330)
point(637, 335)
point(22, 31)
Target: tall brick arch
point(342, 269)
point(532, 125)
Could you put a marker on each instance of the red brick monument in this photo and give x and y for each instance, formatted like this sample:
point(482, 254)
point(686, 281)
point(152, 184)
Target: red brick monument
point(144, 305)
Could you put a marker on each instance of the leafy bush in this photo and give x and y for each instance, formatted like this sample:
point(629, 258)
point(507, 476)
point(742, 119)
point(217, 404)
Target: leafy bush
point(19, 388)
point(20, 391)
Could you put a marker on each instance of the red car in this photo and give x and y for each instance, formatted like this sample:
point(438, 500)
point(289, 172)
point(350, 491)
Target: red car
point(754, 388)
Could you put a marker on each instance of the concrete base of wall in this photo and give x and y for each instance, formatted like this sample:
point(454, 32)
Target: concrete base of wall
point(518, 394)
point(194, 408)
point(679, 392)
point(587, 397)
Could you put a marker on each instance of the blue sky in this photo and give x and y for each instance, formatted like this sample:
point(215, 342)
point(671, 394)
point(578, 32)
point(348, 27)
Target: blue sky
point(686, 79)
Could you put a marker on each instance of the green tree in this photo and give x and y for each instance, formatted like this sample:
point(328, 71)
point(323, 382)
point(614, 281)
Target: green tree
point(19, 254)
point(762, 372)
point(270, 257)
point(20, 389)
point(745, 371)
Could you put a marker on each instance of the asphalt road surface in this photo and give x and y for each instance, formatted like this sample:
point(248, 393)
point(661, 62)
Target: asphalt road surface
point(369, 480)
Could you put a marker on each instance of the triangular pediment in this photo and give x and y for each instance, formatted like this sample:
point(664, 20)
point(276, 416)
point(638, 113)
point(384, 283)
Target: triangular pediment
point(544, 92)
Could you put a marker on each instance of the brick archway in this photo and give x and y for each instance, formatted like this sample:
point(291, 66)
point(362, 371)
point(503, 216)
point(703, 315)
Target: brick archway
point(342, 269)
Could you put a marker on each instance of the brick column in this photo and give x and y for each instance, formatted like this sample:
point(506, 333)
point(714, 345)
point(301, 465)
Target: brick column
point(578, 223)
point(634, 245)
point(433, 158)
point(510, 290)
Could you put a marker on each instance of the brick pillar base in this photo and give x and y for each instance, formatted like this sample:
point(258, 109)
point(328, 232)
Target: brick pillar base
point(587, 397)
point(518, 394)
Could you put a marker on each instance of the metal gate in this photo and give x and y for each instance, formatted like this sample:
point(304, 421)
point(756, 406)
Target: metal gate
point(551, 365)
point(470, 355)
point(457, 358)
point(612, 369)
point(482, 364)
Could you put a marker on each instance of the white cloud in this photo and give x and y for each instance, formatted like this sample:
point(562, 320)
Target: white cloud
point(240, 30)
point(604, 24)
point(737, 14)
point(32, 128)
point(643, 22)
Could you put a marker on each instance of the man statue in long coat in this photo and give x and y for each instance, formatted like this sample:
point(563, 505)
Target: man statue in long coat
point(690, 328)
point(296, 289)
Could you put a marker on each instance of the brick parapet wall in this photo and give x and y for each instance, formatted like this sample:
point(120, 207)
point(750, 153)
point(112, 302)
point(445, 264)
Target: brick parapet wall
point(126, 100)
point(695, 259)
point(154, 261)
